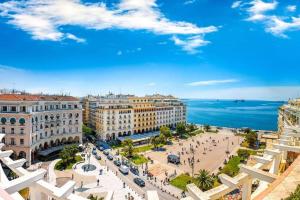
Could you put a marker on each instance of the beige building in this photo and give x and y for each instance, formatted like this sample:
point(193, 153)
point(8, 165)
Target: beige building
point(289, 115)
point(113, 116)
point(38, 125)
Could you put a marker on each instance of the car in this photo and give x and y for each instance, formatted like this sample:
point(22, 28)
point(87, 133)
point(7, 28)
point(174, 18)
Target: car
point(173, 159)
point(94, 152)
point(117, 163)
point(135, 171)
point(98, 157)
point(124, 169)
point(101, 148)
point(94, 148)
point(106, 152)
point(110, 157)
point(140, 182)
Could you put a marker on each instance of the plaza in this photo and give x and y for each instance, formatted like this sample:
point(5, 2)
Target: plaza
point(210, 151)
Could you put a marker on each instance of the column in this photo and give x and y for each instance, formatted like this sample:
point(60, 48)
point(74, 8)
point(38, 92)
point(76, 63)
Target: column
point(246, 189)
point(35, 194)
point(275, 164)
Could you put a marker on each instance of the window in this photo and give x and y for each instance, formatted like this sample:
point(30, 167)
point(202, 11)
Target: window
point(3, 130)
point(21, 131)
point(57, 107)
point(75, 106)
point(12, 141)
point(12, 131)
point(12, 120)
point(21, 141)
point(3, 120)
point(13, 109)
point(4, 108)
point(22, 121)
point(23, 108)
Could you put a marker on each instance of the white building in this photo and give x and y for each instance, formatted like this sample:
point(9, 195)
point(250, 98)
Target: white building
point(113, 116)
point(38, 125)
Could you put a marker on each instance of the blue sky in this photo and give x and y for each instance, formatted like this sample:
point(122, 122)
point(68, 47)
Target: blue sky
point(189, 48)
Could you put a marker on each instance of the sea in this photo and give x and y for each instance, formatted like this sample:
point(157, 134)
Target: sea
point(259, 115)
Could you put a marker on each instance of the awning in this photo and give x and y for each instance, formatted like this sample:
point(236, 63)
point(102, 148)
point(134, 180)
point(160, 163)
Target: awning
point(139, 137)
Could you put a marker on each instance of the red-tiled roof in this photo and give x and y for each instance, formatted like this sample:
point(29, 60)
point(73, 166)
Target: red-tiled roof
point(32, 97)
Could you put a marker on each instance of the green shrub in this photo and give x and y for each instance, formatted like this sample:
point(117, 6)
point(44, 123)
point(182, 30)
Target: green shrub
point(295, 195)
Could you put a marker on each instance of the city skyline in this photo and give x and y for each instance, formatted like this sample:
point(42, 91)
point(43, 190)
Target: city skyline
point(228, 50)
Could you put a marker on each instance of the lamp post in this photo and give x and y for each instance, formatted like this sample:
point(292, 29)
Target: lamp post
point(192, 161)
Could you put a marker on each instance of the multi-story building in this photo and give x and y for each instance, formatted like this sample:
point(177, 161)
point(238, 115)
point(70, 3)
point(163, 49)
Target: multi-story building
point(38, 125)
point(110, 116)
point(113, 116)
point(289, 115)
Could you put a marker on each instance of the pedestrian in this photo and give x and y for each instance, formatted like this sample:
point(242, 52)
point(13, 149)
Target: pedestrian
point(98, 182)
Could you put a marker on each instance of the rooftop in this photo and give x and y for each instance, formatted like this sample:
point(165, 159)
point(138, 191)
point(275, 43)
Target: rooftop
point(35, 97)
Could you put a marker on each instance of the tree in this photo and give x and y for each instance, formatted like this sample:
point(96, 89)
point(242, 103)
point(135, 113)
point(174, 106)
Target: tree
point(155, 141)
point(164, 130)
point(128, 148)
point(87, 130)
point(181, 129)
point(206, 127)
point(204, 180)
point(251, 138)
point(68, 154)
point(191, 127)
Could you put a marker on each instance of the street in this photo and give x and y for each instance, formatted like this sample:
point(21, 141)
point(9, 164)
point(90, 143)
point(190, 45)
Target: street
point(128, 179)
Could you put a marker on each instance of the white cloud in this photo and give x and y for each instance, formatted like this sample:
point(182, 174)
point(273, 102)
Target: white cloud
point(258, 9)
point(265, 13)
point(45, 19)
point(187, 2)
point(212, 82)
point(190, 44)
point(291, 8)
point(236, 4)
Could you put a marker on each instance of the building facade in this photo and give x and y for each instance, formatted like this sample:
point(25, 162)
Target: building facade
point(113, 116)
point(38, 125)
point(289, 115)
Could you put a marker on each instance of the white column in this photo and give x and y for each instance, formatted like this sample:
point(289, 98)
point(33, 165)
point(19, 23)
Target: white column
point(35, 194)
point(284, 155)
point(246, 189)
point(275, 164)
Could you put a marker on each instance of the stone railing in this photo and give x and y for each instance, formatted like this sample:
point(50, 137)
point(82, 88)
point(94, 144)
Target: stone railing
point(32, 180)
point(271, 159)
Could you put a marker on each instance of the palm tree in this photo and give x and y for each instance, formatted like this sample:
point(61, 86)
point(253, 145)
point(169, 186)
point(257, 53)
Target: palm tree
point(206, 127)
point(204, 180)
point(128, 148)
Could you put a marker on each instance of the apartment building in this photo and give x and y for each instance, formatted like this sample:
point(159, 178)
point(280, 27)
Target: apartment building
point(289, 115)
point(39, 125)
point(111, 116)
point(114, 116)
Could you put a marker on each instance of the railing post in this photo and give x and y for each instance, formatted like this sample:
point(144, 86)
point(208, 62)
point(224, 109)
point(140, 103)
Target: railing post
point(246, 189)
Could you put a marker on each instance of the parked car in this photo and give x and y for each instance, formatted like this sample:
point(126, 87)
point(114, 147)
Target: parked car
point(117, 163)
point(98, 157)
point(106, 152)
point(124, 169)
point(135, 171)
point(101, 148)
point(174, 159)
point(110, 157)
point(94, 152)
point(139, 182)
point(94, 148)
